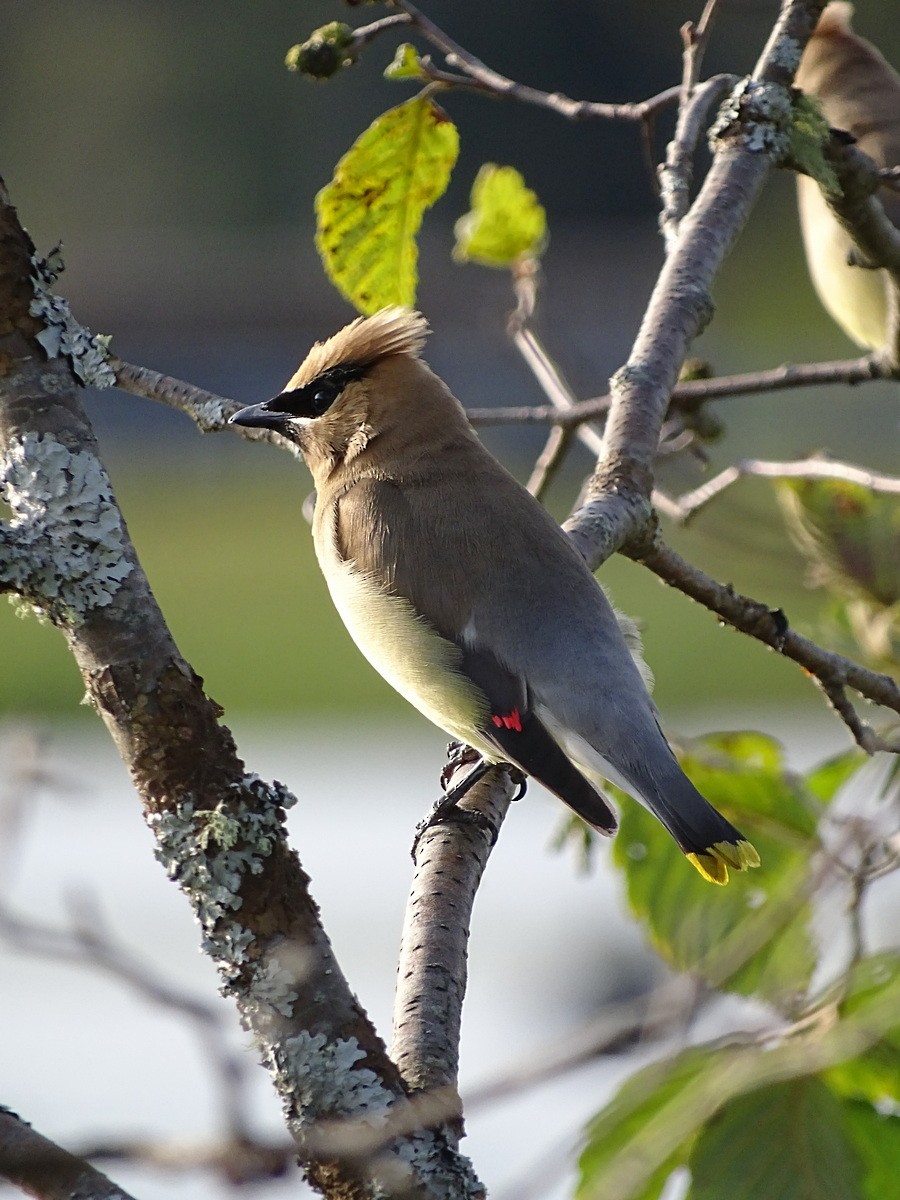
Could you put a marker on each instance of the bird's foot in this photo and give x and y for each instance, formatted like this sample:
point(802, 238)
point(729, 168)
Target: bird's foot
point(447, 809)
point(458, 755)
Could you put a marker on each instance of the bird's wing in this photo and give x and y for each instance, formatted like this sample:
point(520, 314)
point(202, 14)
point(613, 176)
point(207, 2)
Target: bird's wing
point(379, 532)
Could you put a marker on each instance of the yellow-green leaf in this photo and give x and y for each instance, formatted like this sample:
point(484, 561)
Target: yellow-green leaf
point(506, 221)
point(370, 213)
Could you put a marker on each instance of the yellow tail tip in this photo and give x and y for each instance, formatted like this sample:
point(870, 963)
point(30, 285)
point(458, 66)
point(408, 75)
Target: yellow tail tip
point(713, 863)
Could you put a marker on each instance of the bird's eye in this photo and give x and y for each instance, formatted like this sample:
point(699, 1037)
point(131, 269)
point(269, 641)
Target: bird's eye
point(327, 391)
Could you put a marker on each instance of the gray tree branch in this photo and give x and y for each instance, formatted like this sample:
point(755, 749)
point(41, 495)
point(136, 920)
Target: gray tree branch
point(40, 1168)
point(751, 134)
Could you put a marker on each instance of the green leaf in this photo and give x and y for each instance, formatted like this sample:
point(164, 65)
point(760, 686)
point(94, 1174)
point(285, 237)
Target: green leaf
point(506, 222)
point(406, 63)
point(874, 1074)
point(810, 133)
point(753, 936)
point(876, 1138)
point(787, 1141)
point(777, 1121)
point(620, 1158)
point(370, 213)
point(826, 780)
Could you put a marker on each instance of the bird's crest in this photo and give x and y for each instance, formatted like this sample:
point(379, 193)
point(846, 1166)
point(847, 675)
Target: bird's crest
point(392, 330)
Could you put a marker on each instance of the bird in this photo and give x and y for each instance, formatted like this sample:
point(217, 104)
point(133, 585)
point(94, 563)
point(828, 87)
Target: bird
point(463, 592)
point(859, 92)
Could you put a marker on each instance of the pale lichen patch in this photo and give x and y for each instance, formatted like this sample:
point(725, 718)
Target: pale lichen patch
point(62, 336)
point(327, 1080)
point(787, 53)
point(210, 852)
point(758, 115)
point(65, 547)
point(209, 416)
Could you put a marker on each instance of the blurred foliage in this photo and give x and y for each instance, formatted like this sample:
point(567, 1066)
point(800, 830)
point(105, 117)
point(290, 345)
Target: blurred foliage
point(850, 536)
point(809, 1109)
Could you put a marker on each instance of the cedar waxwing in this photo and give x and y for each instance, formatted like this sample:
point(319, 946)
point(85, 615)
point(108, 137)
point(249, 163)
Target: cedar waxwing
point(464, 593)
point(860, 93)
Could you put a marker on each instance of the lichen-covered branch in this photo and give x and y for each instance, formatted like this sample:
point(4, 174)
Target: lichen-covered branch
point(38, 1167)
point(219, 828)
point(751, 134)
point(832, 672)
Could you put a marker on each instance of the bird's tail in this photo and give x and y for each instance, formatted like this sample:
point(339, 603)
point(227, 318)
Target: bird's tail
point(709, 842)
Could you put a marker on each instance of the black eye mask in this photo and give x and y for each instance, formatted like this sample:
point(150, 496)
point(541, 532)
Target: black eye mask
point(316, 397)
point(311, 400)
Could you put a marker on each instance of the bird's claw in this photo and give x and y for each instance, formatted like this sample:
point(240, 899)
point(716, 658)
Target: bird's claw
point(446, 809)
point(458, 755)
point(520, 779)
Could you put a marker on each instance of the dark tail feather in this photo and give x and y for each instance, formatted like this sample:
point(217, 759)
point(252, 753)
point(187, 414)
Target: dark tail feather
point(533, 749)
point(709, 842)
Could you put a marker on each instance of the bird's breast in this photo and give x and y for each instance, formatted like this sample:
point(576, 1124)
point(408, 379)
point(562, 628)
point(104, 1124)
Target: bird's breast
point(401, 644)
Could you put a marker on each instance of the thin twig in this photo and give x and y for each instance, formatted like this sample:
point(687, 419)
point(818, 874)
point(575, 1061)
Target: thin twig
point(492, 82)
point(690, 503)
point(617, 1029)
point(549, 461)
point(696, 39)
point(551, 380)
point(676, 174)
point(208, 411)
point(833, 672)
point(617, 511)
point(692, 393)
point(236, 1161)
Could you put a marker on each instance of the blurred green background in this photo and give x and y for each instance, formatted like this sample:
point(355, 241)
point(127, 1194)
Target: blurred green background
point(176, 158)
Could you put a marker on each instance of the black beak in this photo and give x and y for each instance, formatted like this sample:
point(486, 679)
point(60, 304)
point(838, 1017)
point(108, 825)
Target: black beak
point(261, 416)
